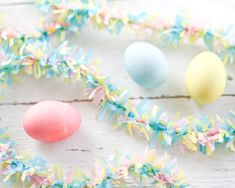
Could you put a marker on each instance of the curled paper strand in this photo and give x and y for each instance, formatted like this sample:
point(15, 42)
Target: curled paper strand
point(114, 170)
point(31, 54)
point(197, 134)
point(72, 16)
point(68, 15)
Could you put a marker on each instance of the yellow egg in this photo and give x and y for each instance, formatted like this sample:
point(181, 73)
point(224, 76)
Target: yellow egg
point(205, 77)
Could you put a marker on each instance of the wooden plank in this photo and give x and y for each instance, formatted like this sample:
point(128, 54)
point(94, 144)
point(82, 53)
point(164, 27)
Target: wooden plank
point(96, 139)
point(31, 91)
point(24, 18)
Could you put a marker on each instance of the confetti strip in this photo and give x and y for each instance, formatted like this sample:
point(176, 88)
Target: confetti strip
point(31, 54)
point(73, 16)
point(197, 134)
point(112, 171)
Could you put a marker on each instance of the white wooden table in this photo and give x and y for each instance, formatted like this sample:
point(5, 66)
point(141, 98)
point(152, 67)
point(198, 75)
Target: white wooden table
point(97, 139)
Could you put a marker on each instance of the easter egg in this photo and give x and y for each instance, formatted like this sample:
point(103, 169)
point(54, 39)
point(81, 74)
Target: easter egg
point(205, 77)
point(146, 64)
point(51, 121)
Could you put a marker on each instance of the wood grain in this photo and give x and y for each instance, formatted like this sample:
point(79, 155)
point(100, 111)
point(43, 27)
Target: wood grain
point(96, 139)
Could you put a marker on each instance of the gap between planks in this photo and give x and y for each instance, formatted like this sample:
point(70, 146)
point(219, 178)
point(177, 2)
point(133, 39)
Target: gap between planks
point(26, 3)
point(16, 4)
point(89, 100)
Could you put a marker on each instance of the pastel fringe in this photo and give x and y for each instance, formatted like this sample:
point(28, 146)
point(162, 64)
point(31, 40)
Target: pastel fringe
point(69, 15)
point(112, 171)
point(29, 53)
point(74, 15)
point(197, 134)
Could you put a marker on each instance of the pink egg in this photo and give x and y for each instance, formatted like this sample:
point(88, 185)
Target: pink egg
point(51, 121)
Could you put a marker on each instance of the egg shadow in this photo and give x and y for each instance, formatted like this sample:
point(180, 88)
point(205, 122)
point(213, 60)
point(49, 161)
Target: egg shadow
point(78, 145)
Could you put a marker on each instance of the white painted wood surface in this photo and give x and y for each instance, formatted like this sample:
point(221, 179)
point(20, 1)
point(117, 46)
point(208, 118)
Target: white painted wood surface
point(97, 139)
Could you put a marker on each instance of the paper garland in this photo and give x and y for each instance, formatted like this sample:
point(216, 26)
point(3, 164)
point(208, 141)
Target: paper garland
point(73, 15)
point(203, 134)
point(27, 53)
point(113, 171)
point(196, 134)
point(30, 54)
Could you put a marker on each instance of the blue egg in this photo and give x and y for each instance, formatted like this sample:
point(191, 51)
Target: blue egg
point(146, 64)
